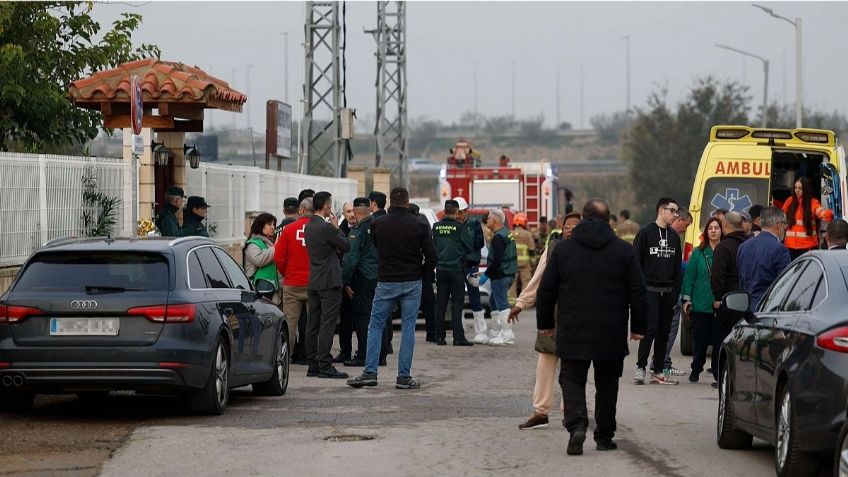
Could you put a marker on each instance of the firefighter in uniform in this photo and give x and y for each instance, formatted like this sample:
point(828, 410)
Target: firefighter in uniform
point(453, 244)
point(524, 246)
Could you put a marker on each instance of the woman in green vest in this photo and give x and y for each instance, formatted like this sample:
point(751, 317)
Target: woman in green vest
point(259, 250)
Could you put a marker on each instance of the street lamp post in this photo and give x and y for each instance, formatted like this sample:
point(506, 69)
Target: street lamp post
point(765, 74)
point(799, 95)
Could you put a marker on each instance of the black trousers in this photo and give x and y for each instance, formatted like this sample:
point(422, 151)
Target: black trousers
point(660, 313)
point(721, 328)
point(346, 327)
point(324, 306)
point(363, 299)
point(702, 336)
point(572, 378)
point(428, 307)
point(300, 346)
point(450, 286)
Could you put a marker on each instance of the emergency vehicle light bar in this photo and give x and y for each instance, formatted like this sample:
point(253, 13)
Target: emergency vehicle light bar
point(789, 136)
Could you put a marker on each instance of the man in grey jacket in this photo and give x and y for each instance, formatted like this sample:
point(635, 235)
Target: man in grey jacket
point(324, 241)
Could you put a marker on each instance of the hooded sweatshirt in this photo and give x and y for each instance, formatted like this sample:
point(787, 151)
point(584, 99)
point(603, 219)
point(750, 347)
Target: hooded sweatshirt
point(594, 283)
point(660, 257)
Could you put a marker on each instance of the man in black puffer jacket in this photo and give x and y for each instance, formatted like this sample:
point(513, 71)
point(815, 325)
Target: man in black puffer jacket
point(595, 281)
point(724, 278)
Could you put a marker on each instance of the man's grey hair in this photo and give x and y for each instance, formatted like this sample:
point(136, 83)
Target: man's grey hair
point(770, 216)
point(684, 214)
point(499, 215)
point(306, 205)
point(734, 220)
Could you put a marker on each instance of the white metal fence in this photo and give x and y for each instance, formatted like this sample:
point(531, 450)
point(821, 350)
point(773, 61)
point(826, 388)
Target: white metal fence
point(41, 197)
point(232, 191)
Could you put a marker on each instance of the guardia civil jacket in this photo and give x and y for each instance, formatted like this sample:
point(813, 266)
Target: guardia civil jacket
point(453, 244)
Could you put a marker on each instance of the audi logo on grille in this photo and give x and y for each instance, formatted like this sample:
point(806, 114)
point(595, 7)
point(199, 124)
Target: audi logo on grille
point(84, 304)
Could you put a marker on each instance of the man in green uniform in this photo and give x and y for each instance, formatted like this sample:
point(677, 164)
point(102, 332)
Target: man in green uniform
point(193, 216)
point(167, 222)
point(453, 244)
point(359, 278)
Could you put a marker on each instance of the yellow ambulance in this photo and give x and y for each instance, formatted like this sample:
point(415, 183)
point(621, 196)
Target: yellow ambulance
point(743, 166)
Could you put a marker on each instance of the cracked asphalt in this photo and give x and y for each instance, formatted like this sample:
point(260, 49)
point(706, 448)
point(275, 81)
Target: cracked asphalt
point(463, 421)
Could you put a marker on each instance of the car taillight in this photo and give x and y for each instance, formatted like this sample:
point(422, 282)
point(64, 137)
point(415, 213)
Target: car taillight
point(834, 340)
point(16, 314)
point(179, 313)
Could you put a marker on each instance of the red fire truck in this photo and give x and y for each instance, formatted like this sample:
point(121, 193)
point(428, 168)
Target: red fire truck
point(528, 187)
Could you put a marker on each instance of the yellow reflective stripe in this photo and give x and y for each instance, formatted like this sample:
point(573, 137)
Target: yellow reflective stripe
point(790, 233)
point(799, 222)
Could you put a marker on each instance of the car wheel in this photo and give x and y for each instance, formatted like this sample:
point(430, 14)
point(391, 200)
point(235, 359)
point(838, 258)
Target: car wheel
point(726, 436)
point(213, 397)
point(16, 401)
point(788, 460)
point(840, 462)
point(279, 382)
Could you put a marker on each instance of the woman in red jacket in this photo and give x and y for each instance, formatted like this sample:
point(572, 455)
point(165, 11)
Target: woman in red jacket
point(803, 211)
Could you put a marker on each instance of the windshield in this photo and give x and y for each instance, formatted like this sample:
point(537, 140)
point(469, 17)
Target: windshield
point(100, 272)
point(734, 194)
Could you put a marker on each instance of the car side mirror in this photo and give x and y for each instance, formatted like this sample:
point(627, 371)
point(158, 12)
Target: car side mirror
point(738, 302)
point(265, 288)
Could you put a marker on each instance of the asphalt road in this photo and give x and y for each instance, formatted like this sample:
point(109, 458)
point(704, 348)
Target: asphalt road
point(463, 421)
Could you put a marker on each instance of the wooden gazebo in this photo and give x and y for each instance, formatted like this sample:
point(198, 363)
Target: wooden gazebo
point(175, 96)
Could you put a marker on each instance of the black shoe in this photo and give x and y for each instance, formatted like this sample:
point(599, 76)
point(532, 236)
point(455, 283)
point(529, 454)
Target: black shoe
point(575, 442)
point(341, 358)
point(332, 373)
point(462, 343)
point(693, 377)
point(383, 362)
point(301, 360)
point(355, 362)
point(430, 339)
point(312, 372)
point(441, 342)
point(389, 349)
point(407, 383)
point(363, 379)
point(605, 445)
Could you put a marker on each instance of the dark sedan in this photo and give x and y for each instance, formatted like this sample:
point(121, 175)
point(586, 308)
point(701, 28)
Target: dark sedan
point(784, 368)
point(90, 316)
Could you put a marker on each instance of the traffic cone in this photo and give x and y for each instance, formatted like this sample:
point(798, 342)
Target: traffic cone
point(480, 334)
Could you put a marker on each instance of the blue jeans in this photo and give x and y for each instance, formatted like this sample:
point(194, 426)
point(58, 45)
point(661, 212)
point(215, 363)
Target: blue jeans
point(500, 289)
point(408, 294)
point(473, 292)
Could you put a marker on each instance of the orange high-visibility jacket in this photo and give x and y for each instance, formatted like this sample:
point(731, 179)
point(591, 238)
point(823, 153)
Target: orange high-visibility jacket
point(798, 238)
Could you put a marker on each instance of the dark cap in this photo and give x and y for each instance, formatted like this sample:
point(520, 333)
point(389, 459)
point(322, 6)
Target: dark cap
point(174, 190)
point(291, 203)
point(195, 202)
point(361, 202)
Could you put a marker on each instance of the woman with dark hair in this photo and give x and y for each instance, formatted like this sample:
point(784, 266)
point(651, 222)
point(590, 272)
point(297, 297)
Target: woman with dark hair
point(698, 296)
point(258, 252)
point(803, 212)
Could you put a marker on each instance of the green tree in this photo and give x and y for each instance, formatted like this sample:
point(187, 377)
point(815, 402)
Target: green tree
point(664, 145)
point(44, 46)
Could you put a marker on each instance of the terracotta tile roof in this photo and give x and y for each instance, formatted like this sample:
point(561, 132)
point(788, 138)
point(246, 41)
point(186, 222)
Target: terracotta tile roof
point(161, 81)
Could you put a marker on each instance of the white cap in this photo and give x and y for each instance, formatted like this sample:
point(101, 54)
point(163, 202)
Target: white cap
point(463, 205)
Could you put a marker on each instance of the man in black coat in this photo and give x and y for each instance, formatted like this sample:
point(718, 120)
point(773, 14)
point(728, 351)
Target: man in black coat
point(324, 241)
point(724, 278)
point(592, 280)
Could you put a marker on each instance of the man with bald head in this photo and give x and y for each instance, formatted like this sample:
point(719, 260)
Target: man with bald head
point(724, 278)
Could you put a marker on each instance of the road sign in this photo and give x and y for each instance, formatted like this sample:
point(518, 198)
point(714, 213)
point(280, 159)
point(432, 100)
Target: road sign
point(136, 104)
point(137, 144)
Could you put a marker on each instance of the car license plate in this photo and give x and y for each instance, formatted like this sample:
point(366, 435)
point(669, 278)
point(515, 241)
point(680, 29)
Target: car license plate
point(84, 326)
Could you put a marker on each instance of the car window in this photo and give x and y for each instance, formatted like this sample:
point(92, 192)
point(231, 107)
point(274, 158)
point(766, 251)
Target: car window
point(196, 279)
point(821, 292)
point(778, 291)
point(801, 295)
point(212, 270)
point(237, 276)
point(78, 270)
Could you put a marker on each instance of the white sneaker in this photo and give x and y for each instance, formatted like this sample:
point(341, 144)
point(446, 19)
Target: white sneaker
point(506, 337)
point(639, 377)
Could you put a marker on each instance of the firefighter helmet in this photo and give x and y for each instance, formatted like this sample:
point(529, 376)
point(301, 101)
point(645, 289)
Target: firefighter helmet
point(519, 219)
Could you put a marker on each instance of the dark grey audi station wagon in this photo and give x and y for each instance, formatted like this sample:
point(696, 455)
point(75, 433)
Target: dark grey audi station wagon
point(164, 316)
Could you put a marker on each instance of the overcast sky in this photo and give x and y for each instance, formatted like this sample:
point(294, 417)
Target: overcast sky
point(671, 44)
